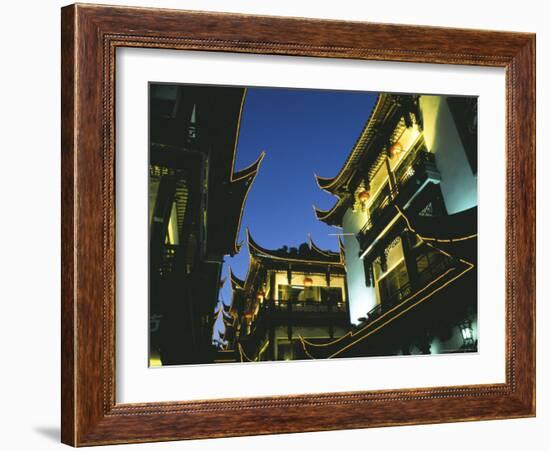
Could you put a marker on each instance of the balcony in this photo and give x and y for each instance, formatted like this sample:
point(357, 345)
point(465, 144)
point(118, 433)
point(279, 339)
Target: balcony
point(435, 270)
point(412, 175)
point(438, 293)
point(304, 313)
point(305, 306)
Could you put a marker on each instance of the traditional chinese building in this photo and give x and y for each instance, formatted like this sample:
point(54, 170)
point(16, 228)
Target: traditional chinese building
point(196, 199)
point(288, 295)
point(407, 207)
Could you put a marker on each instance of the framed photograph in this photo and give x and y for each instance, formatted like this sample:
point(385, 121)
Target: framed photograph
point(279, 225)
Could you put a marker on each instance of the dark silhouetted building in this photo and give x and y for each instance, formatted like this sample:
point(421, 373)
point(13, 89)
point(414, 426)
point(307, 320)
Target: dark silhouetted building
point(196, 199)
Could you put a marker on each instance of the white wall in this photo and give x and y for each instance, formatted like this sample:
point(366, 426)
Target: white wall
point(29, 105)
point(458, 183)
point(361, 299)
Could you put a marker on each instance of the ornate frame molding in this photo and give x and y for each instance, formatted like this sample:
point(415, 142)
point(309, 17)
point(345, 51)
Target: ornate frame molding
point(90, 36)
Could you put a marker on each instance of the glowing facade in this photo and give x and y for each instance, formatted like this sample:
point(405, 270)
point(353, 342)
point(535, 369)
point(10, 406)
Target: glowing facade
point(407, 207)
point(288, 295)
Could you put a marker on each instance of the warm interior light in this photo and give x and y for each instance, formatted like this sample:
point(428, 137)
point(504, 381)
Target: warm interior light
point(364, 196)
point(395, 149)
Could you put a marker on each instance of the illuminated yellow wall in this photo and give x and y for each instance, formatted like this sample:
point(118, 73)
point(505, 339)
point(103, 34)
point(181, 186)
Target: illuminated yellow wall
point(377, 183)
point(318, 280)
point(173, 235)
point(458, 186)
point(407, 140)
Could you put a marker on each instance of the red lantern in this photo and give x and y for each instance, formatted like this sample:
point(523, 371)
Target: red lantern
point(308, 282)
point(395, 149)
point(364, 196)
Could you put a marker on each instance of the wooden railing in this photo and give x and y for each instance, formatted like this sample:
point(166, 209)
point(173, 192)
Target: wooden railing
point(430, 273)
point(409, 176)
point(305, 306)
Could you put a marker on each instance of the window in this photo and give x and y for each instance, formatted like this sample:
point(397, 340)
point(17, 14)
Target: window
point(430, 264)
point(314, 293)
point(394, 285)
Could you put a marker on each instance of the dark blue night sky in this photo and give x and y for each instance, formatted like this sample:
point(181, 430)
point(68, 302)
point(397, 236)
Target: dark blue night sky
point(303, 132)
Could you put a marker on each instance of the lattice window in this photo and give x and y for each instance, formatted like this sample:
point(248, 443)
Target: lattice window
point(428, 210)
point(390, 246)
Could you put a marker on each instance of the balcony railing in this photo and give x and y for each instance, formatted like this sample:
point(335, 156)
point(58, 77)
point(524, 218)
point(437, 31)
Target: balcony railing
point(382, 200)
point(410, 175)
point(300, 310)
point(430, 273)
point(305, 306)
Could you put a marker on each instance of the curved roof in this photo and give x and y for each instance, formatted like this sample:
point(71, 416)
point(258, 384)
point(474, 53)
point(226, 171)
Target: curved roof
point(239, 185)
point(249, 171)
point(236, 283)
point(317, 249)
point(390, 113)
point(333, 216)
point(378, 114)
point(314, 254)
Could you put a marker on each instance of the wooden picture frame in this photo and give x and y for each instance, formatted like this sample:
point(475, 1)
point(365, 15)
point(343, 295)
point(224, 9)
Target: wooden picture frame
point(90, 36)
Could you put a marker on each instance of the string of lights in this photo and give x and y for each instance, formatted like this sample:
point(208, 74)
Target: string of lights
point(351, 334)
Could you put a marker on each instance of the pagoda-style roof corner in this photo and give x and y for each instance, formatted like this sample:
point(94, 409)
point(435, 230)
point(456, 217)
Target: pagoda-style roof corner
point(253, 247)
point(238, 246)
point(334, 216)
point(236, 283)
point(240, 184)
point(249, 171)
point(366, 151)
point(366, 155)
point(324, 183)
point(321, 252)
point(337, 183)
point(320, 214)
point(310, 253)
